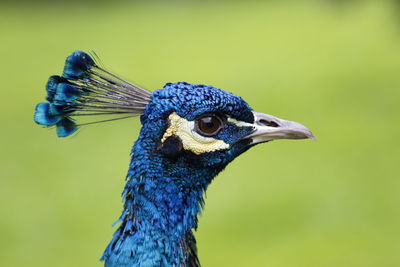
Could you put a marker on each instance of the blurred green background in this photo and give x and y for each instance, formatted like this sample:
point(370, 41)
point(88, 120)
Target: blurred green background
point(331, 65)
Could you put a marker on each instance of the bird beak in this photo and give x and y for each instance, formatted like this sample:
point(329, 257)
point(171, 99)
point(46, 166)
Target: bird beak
point(269, 128)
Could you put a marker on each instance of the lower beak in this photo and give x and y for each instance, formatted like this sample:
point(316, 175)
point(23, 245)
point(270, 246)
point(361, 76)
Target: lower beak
point(269, 128)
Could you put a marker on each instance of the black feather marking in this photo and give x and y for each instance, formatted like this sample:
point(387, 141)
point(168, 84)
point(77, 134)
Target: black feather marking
point(172, 147)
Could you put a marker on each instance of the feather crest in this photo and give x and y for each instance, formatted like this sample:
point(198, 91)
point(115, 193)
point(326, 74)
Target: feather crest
point(85, 89)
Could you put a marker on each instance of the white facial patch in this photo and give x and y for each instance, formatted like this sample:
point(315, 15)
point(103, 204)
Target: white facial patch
point(191, 140)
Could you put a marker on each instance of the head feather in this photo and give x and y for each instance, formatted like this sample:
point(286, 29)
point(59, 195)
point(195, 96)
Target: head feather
point(85, 89)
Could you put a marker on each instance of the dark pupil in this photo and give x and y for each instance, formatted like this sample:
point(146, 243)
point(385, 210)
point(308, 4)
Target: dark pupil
point(209, 125)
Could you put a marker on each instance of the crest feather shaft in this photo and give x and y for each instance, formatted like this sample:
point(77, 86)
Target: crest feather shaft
point(84, 90)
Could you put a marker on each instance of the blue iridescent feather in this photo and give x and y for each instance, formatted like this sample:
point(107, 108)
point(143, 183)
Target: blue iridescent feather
point(66, 127)
point(67, 93)
point(77, 65)
point(44, 116)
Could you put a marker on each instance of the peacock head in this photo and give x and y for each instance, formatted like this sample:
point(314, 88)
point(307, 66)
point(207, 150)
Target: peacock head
point(208, 127)
point(189, 125)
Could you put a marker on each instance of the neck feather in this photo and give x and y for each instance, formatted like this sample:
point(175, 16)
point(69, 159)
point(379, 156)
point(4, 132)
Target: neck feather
point(162, 202)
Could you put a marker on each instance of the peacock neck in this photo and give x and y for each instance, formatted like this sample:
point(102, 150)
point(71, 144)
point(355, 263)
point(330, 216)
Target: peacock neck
point(162, 199)
point(157, 201)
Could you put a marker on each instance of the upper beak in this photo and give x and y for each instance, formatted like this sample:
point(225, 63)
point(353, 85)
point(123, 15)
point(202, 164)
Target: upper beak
point(269, 128)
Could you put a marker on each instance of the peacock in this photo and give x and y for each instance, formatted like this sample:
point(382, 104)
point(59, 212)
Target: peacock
point(190, 133)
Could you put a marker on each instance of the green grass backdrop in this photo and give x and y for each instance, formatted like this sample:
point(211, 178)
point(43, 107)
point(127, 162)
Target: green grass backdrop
point(334, 67)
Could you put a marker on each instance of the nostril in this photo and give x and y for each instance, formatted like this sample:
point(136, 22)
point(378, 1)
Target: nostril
point(268, 123)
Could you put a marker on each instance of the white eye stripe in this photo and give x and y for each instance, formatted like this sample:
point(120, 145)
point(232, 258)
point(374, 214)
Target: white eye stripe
point(239, 123)
point(191, 140)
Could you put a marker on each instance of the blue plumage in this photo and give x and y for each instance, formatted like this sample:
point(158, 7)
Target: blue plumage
point(77, 65)
point(51, 86)
point(45, 114)
point(66, 93)
point(190, 132)
point(66, 127)
point(168, 189)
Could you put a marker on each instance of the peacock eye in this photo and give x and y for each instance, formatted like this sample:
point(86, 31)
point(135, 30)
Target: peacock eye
point(209, 125)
